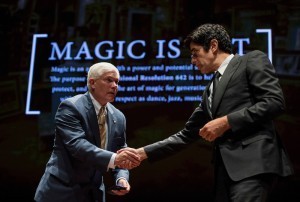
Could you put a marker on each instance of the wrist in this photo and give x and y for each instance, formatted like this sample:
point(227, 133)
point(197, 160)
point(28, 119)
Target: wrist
point(226, 123)
point(142, 153)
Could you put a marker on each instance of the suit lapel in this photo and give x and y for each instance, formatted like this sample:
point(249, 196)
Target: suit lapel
point(205, 100)
point(92, 119)
point(111, 125)
point(231, 68)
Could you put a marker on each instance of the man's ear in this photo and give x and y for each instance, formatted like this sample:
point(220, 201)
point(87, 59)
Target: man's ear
point(214, 45)
point(92, 83)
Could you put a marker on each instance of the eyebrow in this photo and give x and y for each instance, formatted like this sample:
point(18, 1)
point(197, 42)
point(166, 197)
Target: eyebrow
point(112, 78)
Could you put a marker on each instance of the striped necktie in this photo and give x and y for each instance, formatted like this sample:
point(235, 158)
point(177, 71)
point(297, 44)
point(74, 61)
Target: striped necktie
point(102, 127)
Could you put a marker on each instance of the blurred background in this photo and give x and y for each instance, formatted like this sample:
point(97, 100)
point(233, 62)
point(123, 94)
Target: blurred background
point(28, 99)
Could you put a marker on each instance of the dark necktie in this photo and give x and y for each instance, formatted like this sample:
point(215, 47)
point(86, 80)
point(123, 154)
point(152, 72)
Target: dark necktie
point(215, 82)
point(102, 128)
point(215, 85)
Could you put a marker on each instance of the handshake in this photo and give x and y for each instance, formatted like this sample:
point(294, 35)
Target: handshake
point(128, 158)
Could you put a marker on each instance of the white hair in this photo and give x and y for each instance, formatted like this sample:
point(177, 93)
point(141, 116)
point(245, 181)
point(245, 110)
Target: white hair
point(98, 69)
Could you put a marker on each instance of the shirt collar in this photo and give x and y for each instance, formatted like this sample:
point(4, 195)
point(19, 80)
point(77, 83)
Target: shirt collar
point(224, 64)
point(96, 104)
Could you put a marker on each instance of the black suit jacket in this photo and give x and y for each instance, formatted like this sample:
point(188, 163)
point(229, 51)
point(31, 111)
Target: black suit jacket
point(77, 163)
point(250, 95)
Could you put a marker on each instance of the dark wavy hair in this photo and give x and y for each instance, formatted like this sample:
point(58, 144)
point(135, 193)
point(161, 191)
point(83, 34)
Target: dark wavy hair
point(203, 34)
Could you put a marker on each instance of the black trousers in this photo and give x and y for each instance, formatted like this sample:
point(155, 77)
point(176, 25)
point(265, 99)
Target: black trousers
point(253, 189)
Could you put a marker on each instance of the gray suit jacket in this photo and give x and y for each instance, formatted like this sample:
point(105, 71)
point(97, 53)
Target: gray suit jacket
point(75, 168)
point(250, 95)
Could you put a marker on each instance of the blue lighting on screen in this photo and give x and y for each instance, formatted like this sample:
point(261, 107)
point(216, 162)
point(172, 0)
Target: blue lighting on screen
point(269, 32)
point(32, 59)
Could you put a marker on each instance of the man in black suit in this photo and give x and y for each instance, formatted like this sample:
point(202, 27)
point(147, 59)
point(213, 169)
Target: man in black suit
point(78, 161)
point(236, 115)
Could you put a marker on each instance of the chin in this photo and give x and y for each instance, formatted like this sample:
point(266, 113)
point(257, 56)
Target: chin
point(111, 99)
point(203, 72)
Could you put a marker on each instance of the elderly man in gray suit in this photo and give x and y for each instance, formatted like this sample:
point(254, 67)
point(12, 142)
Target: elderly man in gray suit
point(75, 169)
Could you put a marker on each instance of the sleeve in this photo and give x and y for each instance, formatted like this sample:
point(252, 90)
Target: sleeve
point(267, 96)
point(120, 143)
point(178, 141)
point(76, 140)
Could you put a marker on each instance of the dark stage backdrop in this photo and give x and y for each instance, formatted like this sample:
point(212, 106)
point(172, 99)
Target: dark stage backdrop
point(48, 46)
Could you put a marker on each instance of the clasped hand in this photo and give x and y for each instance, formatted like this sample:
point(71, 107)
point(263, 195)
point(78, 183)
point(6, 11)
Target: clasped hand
point(127, 158)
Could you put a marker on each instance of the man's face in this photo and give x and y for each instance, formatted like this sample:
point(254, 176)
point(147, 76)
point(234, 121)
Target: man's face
point(202, 59)
point(105, 88)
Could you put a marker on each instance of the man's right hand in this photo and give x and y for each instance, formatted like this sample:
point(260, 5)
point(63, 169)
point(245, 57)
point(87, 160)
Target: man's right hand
point(127, 158)
point(140, 152)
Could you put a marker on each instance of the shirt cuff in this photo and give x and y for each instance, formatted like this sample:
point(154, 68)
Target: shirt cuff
point(112, 161)
point(117, 181)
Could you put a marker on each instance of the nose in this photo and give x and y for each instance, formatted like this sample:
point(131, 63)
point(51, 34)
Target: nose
point(193, 61)
point(115, 84)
